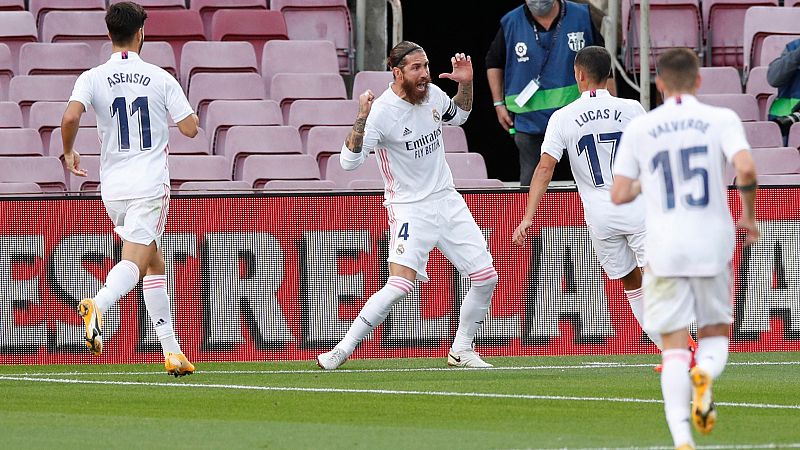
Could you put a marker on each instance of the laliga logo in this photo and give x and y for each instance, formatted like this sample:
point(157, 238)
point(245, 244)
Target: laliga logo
point(521, 50)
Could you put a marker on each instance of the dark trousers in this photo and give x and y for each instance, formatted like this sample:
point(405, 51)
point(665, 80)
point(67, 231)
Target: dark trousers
point(530, 149)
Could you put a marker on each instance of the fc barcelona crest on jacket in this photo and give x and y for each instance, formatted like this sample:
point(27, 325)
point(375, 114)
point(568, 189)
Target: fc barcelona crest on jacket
point(576, 41)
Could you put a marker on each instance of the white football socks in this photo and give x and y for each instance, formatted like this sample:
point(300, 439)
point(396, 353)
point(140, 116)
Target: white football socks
point(712, 355)
point(375, 311)
point(677, 391)
point(474, 307)
point(156, 300)
point(120, 280)
point(636, 300)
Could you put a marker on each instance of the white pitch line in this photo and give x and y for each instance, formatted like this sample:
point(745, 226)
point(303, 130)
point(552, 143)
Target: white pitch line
point(380, 392)
point(591, 365)
point(700, 447)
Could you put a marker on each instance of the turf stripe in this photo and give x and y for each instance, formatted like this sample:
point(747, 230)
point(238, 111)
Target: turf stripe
point(383, 392)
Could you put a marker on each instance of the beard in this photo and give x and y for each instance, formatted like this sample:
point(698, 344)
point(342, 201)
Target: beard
point(413, 94)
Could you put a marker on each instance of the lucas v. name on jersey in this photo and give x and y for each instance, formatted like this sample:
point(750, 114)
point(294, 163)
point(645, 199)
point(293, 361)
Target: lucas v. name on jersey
point(426, 144)
point(599, 114)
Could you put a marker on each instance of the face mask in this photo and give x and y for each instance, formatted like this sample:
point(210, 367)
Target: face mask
point(540, 7)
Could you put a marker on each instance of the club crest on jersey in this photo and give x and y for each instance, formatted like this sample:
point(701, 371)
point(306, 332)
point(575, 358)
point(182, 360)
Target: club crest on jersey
point(400, 249)
point(436, 116)
point(576, 41)
point(521, 49)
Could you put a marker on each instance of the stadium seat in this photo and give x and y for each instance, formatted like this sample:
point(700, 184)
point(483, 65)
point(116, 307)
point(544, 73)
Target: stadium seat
point(673, 23)
point(19, 188)
point(305, 114)
point(774, 45)
point(40, 8)
point(745, 105)
point(299, 185)
point(288, 87)
point(91, 182)
point(720, 80)
point(794, 136)
point(182, 145)
point(197, 168)
point(224, 86)
point(6, 70)
point(42, 58)
point(723, 24)
point(477, 183)
point(324, 141)
point(254, 26)
point(367, 171)
point(87, 142)
point(12, 5)
point(243, 141)
point(71, 26)
point(206, 8)
point(44, 117)
point(367, 185)
point(27, 89)
point(776, 160)
point(176, 27)
point(215, 187)
point(10, 115)
point(377, 81)
point(259, 169)
point(215, 57)
point(466, 165)
point(761, 21)
point(46, 171)
point(19, 142)
point(763, 134)
point(282, 57)
point(158, 53)
point(223, 114)
point(758, 86)
point(16, 29)
point(455, 141)
point(150, 5)
point(779, 180)
point(327, 20)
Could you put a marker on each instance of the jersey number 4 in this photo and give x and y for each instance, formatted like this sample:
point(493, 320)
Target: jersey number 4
point(588, 145)
point(120, 109)
point(689, 171)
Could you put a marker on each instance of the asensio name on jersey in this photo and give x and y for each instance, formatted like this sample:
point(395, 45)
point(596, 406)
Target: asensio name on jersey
point(131, 99)
point(590, 129)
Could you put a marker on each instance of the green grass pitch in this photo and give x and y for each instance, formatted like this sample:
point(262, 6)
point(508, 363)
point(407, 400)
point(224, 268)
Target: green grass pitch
point(530, 402)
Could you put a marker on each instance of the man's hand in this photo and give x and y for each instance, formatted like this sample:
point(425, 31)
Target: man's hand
point(521, 233)
point(73, 162)
point(462, 69)
point(504, 117)
point(365, 104)
point(751, 230)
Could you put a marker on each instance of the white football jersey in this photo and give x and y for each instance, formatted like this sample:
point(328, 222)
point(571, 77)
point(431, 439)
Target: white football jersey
point(407, 140)
point(131, 98)
point(590, 129)
point(678, 152)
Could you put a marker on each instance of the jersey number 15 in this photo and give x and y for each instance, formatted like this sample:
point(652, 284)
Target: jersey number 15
point(689, 171)
point(120, 109)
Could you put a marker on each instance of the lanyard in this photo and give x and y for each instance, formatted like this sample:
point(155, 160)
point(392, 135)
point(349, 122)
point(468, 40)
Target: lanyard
point(553, 38)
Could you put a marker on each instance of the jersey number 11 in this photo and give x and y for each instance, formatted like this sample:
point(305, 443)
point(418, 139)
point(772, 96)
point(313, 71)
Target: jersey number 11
point(120, 109)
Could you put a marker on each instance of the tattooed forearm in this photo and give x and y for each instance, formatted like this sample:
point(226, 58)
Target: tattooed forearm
point(464, 97)
point(356, 136)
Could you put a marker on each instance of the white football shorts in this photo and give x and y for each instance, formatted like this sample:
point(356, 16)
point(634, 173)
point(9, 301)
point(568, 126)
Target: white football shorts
point(139, 220)
point(620, 254)
point(671, 303)
point(445, 223)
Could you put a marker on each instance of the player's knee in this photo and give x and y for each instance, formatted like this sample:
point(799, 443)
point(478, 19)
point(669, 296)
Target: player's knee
point(486, 277)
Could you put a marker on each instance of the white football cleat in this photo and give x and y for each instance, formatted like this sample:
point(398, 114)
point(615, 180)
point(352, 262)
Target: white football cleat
point(466, 358)
point(332, 359)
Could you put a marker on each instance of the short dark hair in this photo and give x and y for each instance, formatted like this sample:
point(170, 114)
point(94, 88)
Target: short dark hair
point(595, 61)
point(678, 68)
point(123, 20)
point(397, 55)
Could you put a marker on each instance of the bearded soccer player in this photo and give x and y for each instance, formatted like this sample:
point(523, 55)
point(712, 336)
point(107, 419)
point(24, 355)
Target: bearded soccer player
point(676, 156)
point(404, 128)
point(131, 99)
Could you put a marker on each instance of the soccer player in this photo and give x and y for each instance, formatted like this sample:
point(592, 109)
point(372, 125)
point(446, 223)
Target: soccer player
point(676, 156)
point(131, 99)
point(404, 128)
point(589, 129)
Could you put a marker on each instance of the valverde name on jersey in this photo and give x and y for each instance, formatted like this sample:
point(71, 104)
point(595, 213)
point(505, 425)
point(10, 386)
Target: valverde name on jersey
point(600, 114)
point(135, 78)
point(678, 125)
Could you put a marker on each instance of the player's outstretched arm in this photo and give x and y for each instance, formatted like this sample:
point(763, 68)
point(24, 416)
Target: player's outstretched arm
point(746, 183)
point(69, 130)
point(462, 74)
point(541, 179)
point(625, 190)
point(188, 126)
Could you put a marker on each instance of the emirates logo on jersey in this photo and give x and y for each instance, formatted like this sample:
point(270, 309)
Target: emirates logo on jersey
point(436, 116)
